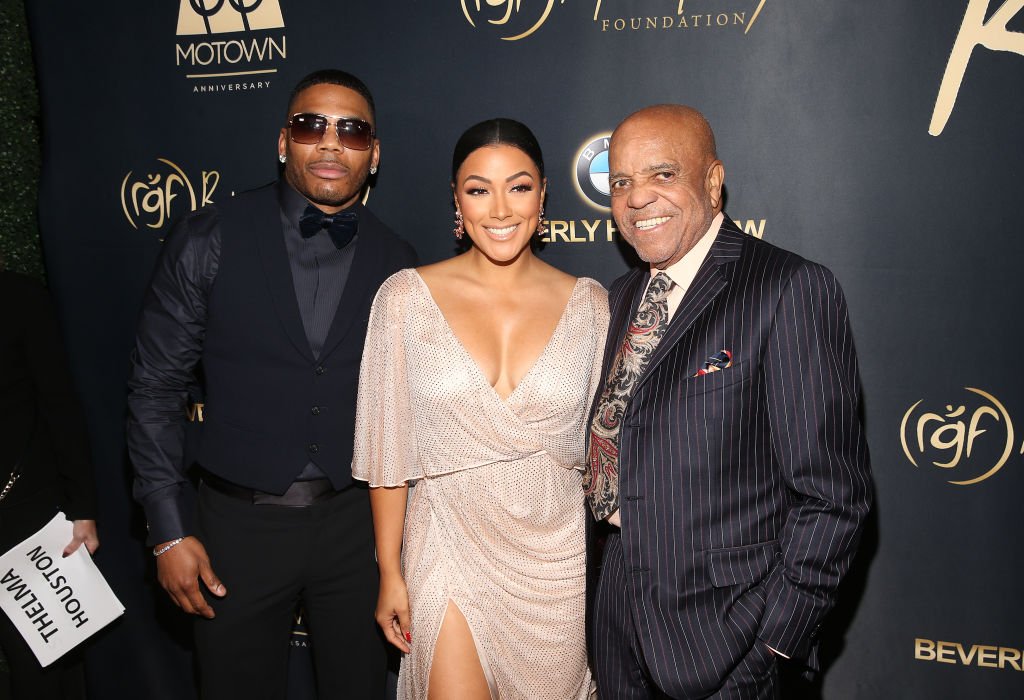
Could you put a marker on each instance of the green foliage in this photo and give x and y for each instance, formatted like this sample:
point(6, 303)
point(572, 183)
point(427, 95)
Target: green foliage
point(19, 144)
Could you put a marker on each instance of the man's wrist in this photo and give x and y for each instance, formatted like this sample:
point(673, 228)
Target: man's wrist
point(167, 546)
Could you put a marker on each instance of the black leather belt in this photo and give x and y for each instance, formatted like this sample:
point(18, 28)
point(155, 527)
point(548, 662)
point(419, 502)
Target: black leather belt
point(299, 495)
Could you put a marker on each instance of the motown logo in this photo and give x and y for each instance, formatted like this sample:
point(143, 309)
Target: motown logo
point(979, 28)
point(152, 199)
point(518, 19)
point(591, 175)
point(250, 47)
point(968, 441)
point(220, 17)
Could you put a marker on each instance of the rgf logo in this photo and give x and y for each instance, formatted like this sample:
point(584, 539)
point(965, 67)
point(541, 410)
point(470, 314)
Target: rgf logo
point(222, 17)
point(506, 16)
point(150, 200)
point(970, 440)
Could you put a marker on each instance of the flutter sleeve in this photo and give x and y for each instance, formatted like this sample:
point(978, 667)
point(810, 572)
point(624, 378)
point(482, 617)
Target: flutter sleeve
point(385, 451)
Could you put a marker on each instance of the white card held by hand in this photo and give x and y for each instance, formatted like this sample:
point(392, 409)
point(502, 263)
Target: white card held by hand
point(55, 602)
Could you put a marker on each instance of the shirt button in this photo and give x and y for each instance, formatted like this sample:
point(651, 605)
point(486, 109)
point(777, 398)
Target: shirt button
point(319, 371)
point(315, 410)
point(313, 448)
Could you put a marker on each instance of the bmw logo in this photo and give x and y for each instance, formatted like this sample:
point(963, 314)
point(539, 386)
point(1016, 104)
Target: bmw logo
point(592, 172)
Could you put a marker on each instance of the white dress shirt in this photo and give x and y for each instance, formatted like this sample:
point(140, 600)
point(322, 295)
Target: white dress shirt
point(683, 271)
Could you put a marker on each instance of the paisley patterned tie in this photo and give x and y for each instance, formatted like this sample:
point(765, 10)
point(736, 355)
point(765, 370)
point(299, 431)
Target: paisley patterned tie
point(601, 480)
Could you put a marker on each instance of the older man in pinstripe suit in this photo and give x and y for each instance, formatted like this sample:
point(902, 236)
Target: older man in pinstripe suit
point(725, 449)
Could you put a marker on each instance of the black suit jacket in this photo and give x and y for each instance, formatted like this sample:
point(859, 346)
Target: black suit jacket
point(41, 421)
point(223, 293)
point(742, 492)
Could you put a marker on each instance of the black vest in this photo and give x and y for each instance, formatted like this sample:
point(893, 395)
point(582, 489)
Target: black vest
point(270, 406)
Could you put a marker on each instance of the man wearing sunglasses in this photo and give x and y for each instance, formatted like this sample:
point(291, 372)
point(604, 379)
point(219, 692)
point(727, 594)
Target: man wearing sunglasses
point(270, 292)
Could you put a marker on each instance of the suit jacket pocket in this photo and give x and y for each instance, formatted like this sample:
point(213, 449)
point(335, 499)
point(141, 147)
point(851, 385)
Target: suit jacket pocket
point(731, 566)
point(738, 575)
point(694, 386)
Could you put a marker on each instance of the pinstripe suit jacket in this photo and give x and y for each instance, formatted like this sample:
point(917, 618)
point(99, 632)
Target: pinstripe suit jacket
point(742, 492)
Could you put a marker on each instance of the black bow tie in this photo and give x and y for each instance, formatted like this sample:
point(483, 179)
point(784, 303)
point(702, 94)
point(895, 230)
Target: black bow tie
point(341, 227)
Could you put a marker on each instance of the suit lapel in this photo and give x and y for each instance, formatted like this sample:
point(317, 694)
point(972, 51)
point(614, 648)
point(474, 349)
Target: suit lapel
point(274, 257)
point(629, 299)
point(711, 279)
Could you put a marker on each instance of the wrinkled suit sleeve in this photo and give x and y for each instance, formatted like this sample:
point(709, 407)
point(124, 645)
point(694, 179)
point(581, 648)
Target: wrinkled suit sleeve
point(168, 348)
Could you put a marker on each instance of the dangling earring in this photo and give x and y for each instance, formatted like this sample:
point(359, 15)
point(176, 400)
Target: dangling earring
point(459, 228)
point(542, 228)
point(282, 157)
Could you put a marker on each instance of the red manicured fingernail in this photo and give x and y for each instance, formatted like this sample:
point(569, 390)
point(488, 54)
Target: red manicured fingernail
point(408, 636)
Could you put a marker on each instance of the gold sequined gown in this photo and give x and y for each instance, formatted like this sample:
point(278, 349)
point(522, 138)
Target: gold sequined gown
point(496, 518)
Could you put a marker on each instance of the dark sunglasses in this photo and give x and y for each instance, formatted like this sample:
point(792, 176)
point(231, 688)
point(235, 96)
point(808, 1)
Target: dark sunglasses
point(308, 128)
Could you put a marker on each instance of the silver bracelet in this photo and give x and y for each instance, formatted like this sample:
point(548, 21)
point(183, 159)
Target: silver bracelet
point(169, 545)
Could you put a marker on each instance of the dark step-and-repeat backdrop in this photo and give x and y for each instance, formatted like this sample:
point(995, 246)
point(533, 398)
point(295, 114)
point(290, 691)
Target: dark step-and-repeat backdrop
point(882, 139)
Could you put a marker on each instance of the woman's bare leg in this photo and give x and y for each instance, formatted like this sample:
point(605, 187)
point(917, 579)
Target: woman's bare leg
point(455, 671)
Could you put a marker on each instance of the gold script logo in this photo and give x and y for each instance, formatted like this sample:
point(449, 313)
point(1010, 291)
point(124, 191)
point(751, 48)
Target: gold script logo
point(151, 199)
point(975, 31)
point(506, 15)
point(949, 439)
point(220, 17)
point(695, 14)
point(516, 22)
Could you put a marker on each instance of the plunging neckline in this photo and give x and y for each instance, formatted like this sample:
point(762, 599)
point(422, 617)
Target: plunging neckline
point(507, 400)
